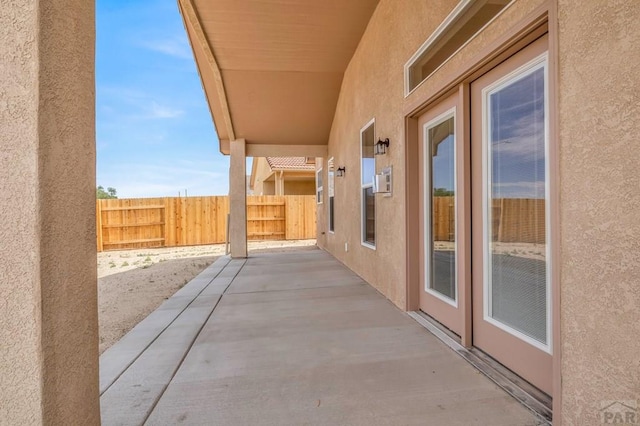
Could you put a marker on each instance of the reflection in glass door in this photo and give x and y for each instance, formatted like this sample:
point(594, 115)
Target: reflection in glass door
point(440, 207)
point(440, 173)
point(514, 208)
point(511, 266)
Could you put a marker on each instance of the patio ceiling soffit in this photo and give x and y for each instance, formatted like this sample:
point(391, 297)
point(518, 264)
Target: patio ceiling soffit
point(271, 71)
point(192, 21)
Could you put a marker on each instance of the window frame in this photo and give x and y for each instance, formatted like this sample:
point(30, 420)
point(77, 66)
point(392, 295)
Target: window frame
point(539, 62)
point(319, 188)
point(461, 8)
point(428, 214)
point(365, 186)
point(331, 195)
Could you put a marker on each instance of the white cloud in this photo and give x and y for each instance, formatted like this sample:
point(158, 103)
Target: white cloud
point(144, 106)
point(176, 46)
point(525, 138)
point(163, 111)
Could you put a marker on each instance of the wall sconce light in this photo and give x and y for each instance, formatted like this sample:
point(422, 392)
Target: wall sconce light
point(340, 171)
point(381, 147)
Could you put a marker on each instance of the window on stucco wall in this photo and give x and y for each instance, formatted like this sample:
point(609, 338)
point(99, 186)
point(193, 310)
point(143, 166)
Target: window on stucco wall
point(367, 173)
point(319, 187)
point(331, 193)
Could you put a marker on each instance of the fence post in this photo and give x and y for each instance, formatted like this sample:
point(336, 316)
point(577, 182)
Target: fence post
point(226, 239)
point(166, 221)
point(286, 217)
point(99, 225)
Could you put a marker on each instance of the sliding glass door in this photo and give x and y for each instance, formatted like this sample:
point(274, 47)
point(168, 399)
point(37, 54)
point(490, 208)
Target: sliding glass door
point(438, 147)
point(511, 262)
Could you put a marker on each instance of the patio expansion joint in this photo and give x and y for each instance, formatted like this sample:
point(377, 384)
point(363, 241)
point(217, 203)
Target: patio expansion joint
point(152, 341)
point(295, 289)
point(212, 384)
point(175, 371)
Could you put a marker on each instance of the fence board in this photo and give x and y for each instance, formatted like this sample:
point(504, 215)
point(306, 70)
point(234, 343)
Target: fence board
point(99, 225)
point(295, 209)
point(513, 220)
point(133, 223)
point(443, 219)
point(266, 217)
point(183, 221)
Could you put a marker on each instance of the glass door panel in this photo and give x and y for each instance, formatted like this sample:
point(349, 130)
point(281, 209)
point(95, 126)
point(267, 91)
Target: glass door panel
point(511, 286)
point(439, 150)
point(441, 207)
point(516, 273)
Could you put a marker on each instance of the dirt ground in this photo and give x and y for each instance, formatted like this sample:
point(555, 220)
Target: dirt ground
point(133, 283)
point(524, 250)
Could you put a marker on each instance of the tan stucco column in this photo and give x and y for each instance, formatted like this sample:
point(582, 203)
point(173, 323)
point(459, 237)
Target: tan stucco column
point(48, 300)
point(238, 198)
point(599, 201)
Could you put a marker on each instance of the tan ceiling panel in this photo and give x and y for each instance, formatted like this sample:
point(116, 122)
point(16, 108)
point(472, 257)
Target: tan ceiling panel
point(206, 77)
point(208, 83)
point(284, 35)
point(282, 108)
point(272, 69)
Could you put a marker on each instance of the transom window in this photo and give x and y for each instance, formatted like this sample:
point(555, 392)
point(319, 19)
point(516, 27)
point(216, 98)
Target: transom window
point(462, 24)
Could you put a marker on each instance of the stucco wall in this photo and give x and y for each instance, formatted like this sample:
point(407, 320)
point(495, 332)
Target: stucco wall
point(373, 87)
point(268, 188)
point(262, 172)
point(599, 177)
point(20, 396)
point(48, 320)
point(300, 187)
point(599, 105)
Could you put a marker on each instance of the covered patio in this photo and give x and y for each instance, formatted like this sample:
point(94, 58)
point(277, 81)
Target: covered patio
point(291, 338)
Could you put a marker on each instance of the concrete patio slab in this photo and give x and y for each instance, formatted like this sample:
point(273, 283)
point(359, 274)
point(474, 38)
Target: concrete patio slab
point(297, 338)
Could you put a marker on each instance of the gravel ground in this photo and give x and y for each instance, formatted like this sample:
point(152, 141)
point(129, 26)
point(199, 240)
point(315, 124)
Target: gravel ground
point(133, 283)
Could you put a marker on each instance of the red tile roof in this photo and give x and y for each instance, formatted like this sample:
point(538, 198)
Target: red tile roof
point(290, 163)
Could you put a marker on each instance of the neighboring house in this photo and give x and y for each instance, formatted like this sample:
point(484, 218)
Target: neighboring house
point(283, 176)
point(508, 131)
point(249, 189)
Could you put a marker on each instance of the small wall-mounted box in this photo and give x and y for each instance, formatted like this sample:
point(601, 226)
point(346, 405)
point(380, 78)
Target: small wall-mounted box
point(383, 182)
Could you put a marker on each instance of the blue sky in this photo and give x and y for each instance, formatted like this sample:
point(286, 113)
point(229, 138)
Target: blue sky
point(518, 138)
point(154, 135)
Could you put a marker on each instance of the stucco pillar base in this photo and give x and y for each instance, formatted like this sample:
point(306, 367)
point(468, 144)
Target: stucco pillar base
point(238, 199)
point(48, 283)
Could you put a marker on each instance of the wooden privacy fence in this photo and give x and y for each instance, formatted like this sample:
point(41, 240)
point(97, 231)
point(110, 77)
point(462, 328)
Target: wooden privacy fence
point(514, 220)
point(187, 221)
